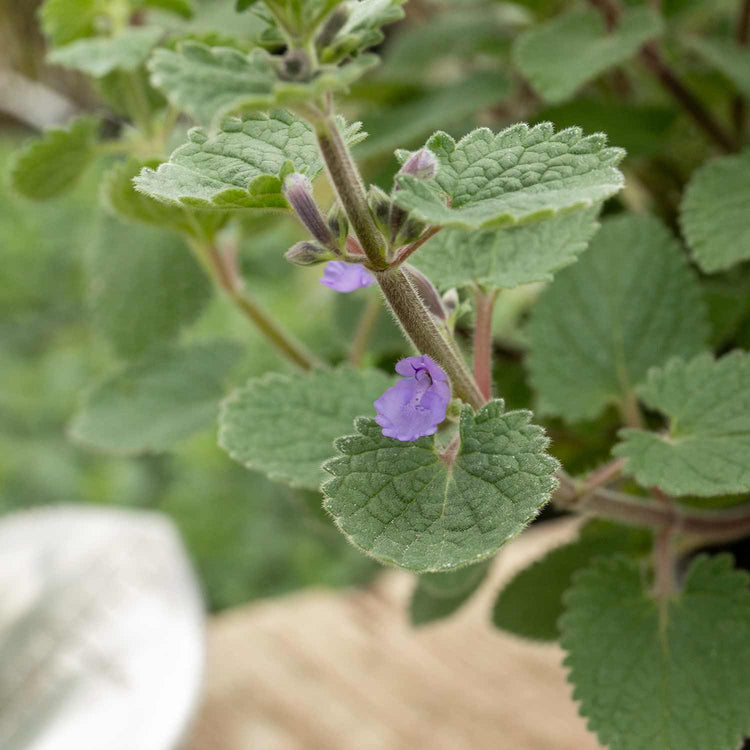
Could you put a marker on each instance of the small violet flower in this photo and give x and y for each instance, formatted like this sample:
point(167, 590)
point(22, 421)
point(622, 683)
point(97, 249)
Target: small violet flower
point(416, 405)
point(346, 277)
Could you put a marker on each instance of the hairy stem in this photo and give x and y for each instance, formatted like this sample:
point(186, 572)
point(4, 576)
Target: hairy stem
point(485, 304)
point(364, 330)
point(711, 527)
point(348, 184)
point(402, 297)
point(222, 269)
point(421, 329)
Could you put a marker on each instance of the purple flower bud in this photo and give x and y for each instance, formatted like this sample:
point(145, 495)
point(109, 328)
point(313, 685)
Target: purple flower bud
point(421, 164)
point(416, 405)
point(298, 192)
point(308, 253)
point(430, 296)
point(346, 277)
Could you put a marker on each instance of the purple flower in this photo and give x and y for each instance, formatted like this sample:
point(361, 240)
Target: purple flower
point(416, 405)
point(346, 277)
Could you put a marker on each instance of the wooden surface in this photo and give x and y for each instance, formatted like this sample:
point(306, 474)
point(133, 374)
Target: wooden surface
point(343, 670)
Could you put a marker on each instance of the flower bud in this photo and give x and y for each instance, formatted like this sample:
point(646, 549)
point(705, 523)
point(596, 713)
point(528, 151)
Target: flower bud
point(451, 301)
point(430, 296)
point(295, 66)
point(380, 207)
point(298, 192)
point(421, 164)
point(410, 231)
point(338, 224)
point(333, 25)
point(308, 253)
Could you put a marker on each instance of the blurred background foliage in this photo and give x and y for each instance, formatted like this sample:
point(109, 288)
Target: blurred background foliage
point(446, 66)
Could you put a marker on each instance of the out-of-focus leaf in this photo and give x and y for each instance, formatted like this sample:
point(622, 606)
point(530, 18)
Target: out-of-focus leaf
point(148, 406)
point(143, 286)
point(52, 164)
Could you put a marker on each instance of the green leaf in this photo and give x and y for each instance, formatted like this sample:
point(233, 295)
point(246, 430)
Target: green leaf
point(506, 258)
point(530, 605)
point(183, 8)
point(727, 57)
point(439, 595)
point(409, 505)
point(240, 167)
point(143, 286)
point(631, 302)
point(707, 448)
point(561, 55)
point(714, 212)
point(519, 175)
point(52, 164)
point(64, 21)
point(212, 82)
point(99, 56)
point(121, 197)
point(285, 425)
point(661, 680)
point(150, 405)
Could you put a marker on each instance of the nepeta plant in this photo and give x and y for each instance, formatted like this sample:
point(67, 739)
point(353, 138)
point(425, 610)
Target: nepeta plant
point(430, 471)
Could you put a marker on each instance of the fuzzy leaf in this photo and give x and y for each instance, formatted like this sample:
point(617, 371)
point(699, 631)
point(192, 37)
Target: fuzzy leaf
point(127, 263)
point(122, 199)
point(532, 602)
point(53, 163)
point(439, 595)
point(661, 680)
point(285, 425)
point(63, 21)
point(630, 303)
point(714, 212)
point(506, 258)
point(707, 448)
point(520, 174)
point(404, 504)
point(101, 55)
point(212, 82)
point(242, 166)
point(726, 56)
point(150, 405)
point(543, 54)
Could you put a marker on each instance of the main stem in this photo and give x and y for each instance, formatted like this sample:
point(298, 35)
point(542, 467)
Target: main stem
point(485, 304)
point(402, 297)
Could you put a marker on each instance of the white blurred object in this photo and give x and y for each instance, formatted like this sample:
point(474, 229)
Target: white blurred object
point(101, 631)
point(32, 102)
